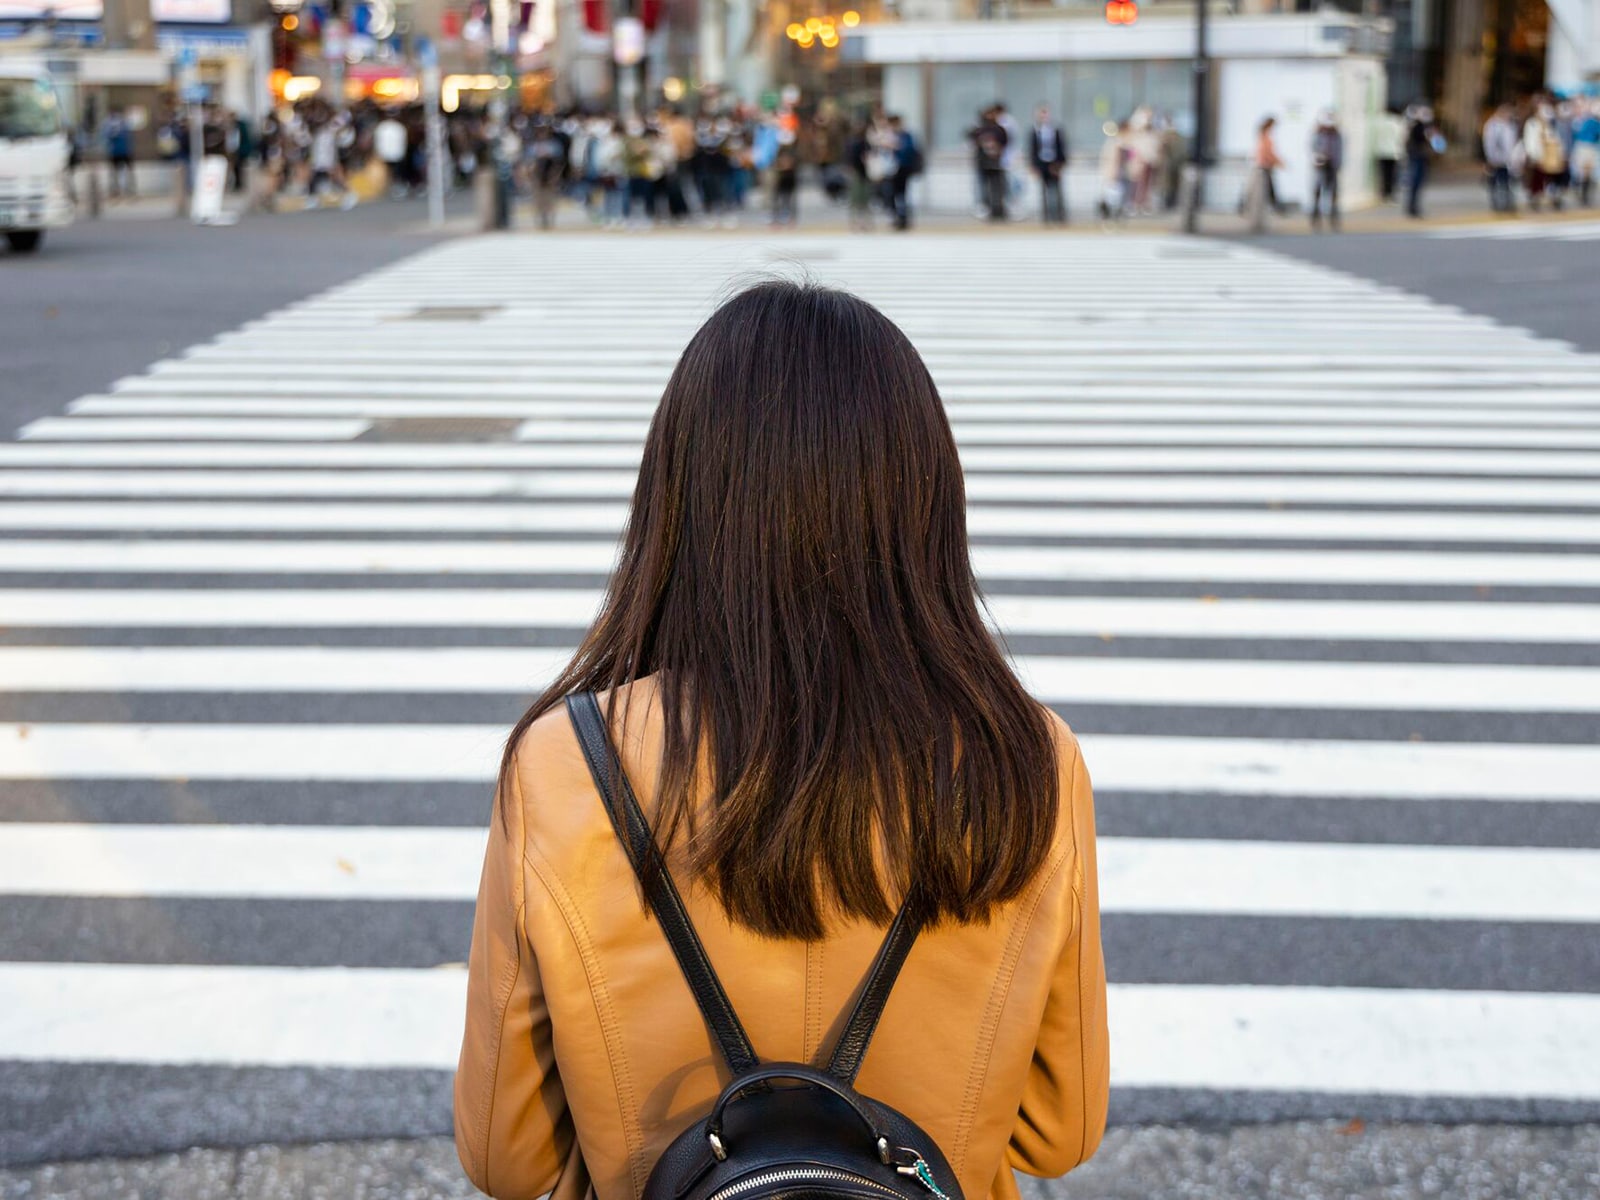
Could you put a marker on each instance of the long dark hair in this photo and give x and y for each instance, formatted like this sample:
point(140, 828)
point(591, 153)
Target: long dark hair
point(795, 575)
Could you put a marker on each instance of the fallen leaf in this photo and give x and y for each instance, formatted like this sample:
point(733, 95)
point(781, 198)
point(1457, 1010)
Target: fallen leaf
point(1208, 599)
point(1108, 637)
point(348, 867)
point(1352, 1127)
point(23, 731)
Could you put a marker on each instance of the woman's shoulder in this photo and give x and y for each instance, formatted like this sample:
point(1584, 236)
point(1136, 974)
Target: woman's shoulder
point(1075, 801)
point(549, 770)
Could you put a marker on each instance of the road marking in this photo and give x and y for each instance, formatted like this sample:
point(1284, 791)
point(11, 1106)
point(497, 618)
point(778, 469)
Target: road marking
point(1356, 1041)
point(1044, 563)
point(1329, 1040)
point(548, 516)
point(185, 429)
point(471, 753)
point(574, 608)
point(1137, 875)
point(1075, 416)
point(618, 485)
point(1274, 460)
point(424, 670)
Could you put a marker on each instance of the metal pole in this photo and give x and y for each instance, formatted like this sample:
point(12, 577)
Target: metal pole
point(435, 134)
point(1197, 152)
point(197, 143)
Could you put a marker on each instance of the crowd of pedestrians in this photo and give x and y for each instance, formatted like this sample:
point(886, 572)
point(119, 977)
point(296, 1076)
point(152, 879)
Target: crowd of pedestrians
point(672, 167)
point(1548, 147)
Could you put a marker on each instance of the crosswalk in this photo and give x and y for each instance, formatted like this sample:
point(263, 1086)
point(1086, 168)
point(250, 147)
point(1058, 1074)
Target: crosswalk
point(1312, 565)
point(1524, 231)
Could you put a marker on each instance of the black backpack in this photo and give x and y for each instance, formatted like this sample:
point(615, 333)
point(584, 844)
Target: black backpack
point(820, 1140)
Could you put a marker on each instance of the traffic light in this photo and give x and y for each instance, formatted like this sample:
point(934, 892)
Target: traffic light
point(1122, 12)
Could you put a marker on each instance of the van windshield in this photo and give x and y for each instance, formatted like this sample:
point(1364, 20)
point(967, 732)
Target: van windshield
point(28, 109)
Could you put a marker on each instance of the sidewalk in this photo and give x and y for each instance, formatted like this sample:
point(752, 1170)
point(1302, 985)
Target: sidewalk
point(1449, 203)
point(1308, 1161)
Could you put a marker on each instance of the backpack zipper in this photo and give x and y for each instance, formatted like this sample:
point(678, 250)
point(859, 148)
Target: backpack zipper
point(797, 1175)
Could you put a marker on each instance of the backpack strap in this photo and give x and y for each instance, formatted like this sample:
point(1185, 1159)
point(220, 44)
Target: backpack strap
point(858, 1030)
point(633, 831)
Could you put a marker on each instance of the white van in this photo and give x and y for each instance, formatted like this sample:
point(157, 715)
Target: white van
point(33, 157)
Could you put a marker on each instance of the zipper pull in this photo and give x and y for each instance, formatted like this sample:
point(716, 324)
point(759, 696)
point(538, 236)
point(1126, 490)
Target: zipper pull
point(923, 1174)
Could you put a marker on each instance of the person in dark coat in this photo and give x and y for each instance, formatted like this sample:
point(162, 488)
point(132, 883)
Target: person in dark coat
point(1047, 150)
point(1327, 157)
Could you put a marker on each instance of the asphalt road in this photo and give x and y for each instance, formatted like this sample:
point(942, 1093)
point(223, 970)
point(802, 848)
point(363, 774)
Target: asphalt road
point(1547, 286)
point(125, 294)
point(103, 299)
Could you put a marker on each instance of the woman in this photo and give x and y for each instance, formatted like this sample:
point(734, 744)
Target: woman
point(1263, 192)
point(818, 725)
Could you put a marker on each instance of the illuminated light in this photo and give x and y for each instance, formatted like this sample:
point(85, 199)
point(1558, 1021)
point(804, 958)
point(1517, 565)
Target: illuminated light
point(851, 19)
point(298, 87)
point(672, 89)
point(395, 88)
point(290, 23)
point(830, 40)
point(813, 24)
point(1122, 12)
point(502, 81)
point(807, 41)
point(794, 31)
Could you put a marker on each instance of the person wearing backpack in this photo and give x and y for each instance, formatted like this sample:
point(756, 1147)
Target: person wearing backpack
point(908, 164)
point(790, 887)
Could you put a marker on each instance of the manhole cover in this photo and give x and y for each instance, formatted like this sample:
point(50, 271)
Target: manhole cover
point(449, 312)
point(442, 429)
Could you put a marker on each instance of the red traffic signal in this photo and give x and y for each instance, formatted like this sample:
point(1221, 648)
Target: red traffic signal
point(1122, 12)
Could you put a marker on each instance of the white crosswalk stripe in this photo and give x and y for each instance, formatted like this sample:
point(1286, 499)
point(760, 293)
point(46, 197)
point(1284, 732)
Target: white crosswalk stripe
point(1312, 565)
point(1523, 231)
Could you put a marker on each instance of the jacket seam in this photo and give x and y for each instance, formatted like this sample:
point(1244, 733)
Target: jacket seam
point(812, 1045)
point(1077, 932)
point(984, 1058)
point(610, 1029)
point(507, 989)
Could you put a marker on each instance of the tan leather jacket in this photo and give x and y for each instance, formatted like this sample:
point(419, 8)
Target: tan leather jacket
point(585, 1055)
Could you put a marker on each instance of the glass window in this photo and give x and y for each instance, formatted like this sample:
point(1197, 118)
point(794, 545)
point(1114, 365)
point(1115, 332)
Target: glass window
point(1097, 92)
point(959, 91)
point(1025, 86)
point(1169, 89)
point(28, 109)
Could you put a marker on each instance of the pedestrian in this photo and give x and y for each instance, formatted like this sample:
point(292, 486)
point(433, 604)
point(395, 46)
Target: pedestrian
point(857, 154)
point(907, 166)
point(1144, 161)
point(988, 138)
point(1586, 151)
point(389, 143)
point(710, 166)
point(1499, 153)
point(547, 162)
point(1011, 156)
point(792, 727)
point(785, 183)
point(1327, 159)
point(1388, 138)
point(1047, 149)
point(1113, 172)
point(118, 135)
point(1546, 156)
point(1262, 193)
point(1422, 141)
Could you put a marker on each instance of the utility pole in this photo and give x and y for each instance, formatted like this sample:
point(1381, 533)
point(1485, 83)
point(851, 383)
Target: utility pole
point(1202, 95)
